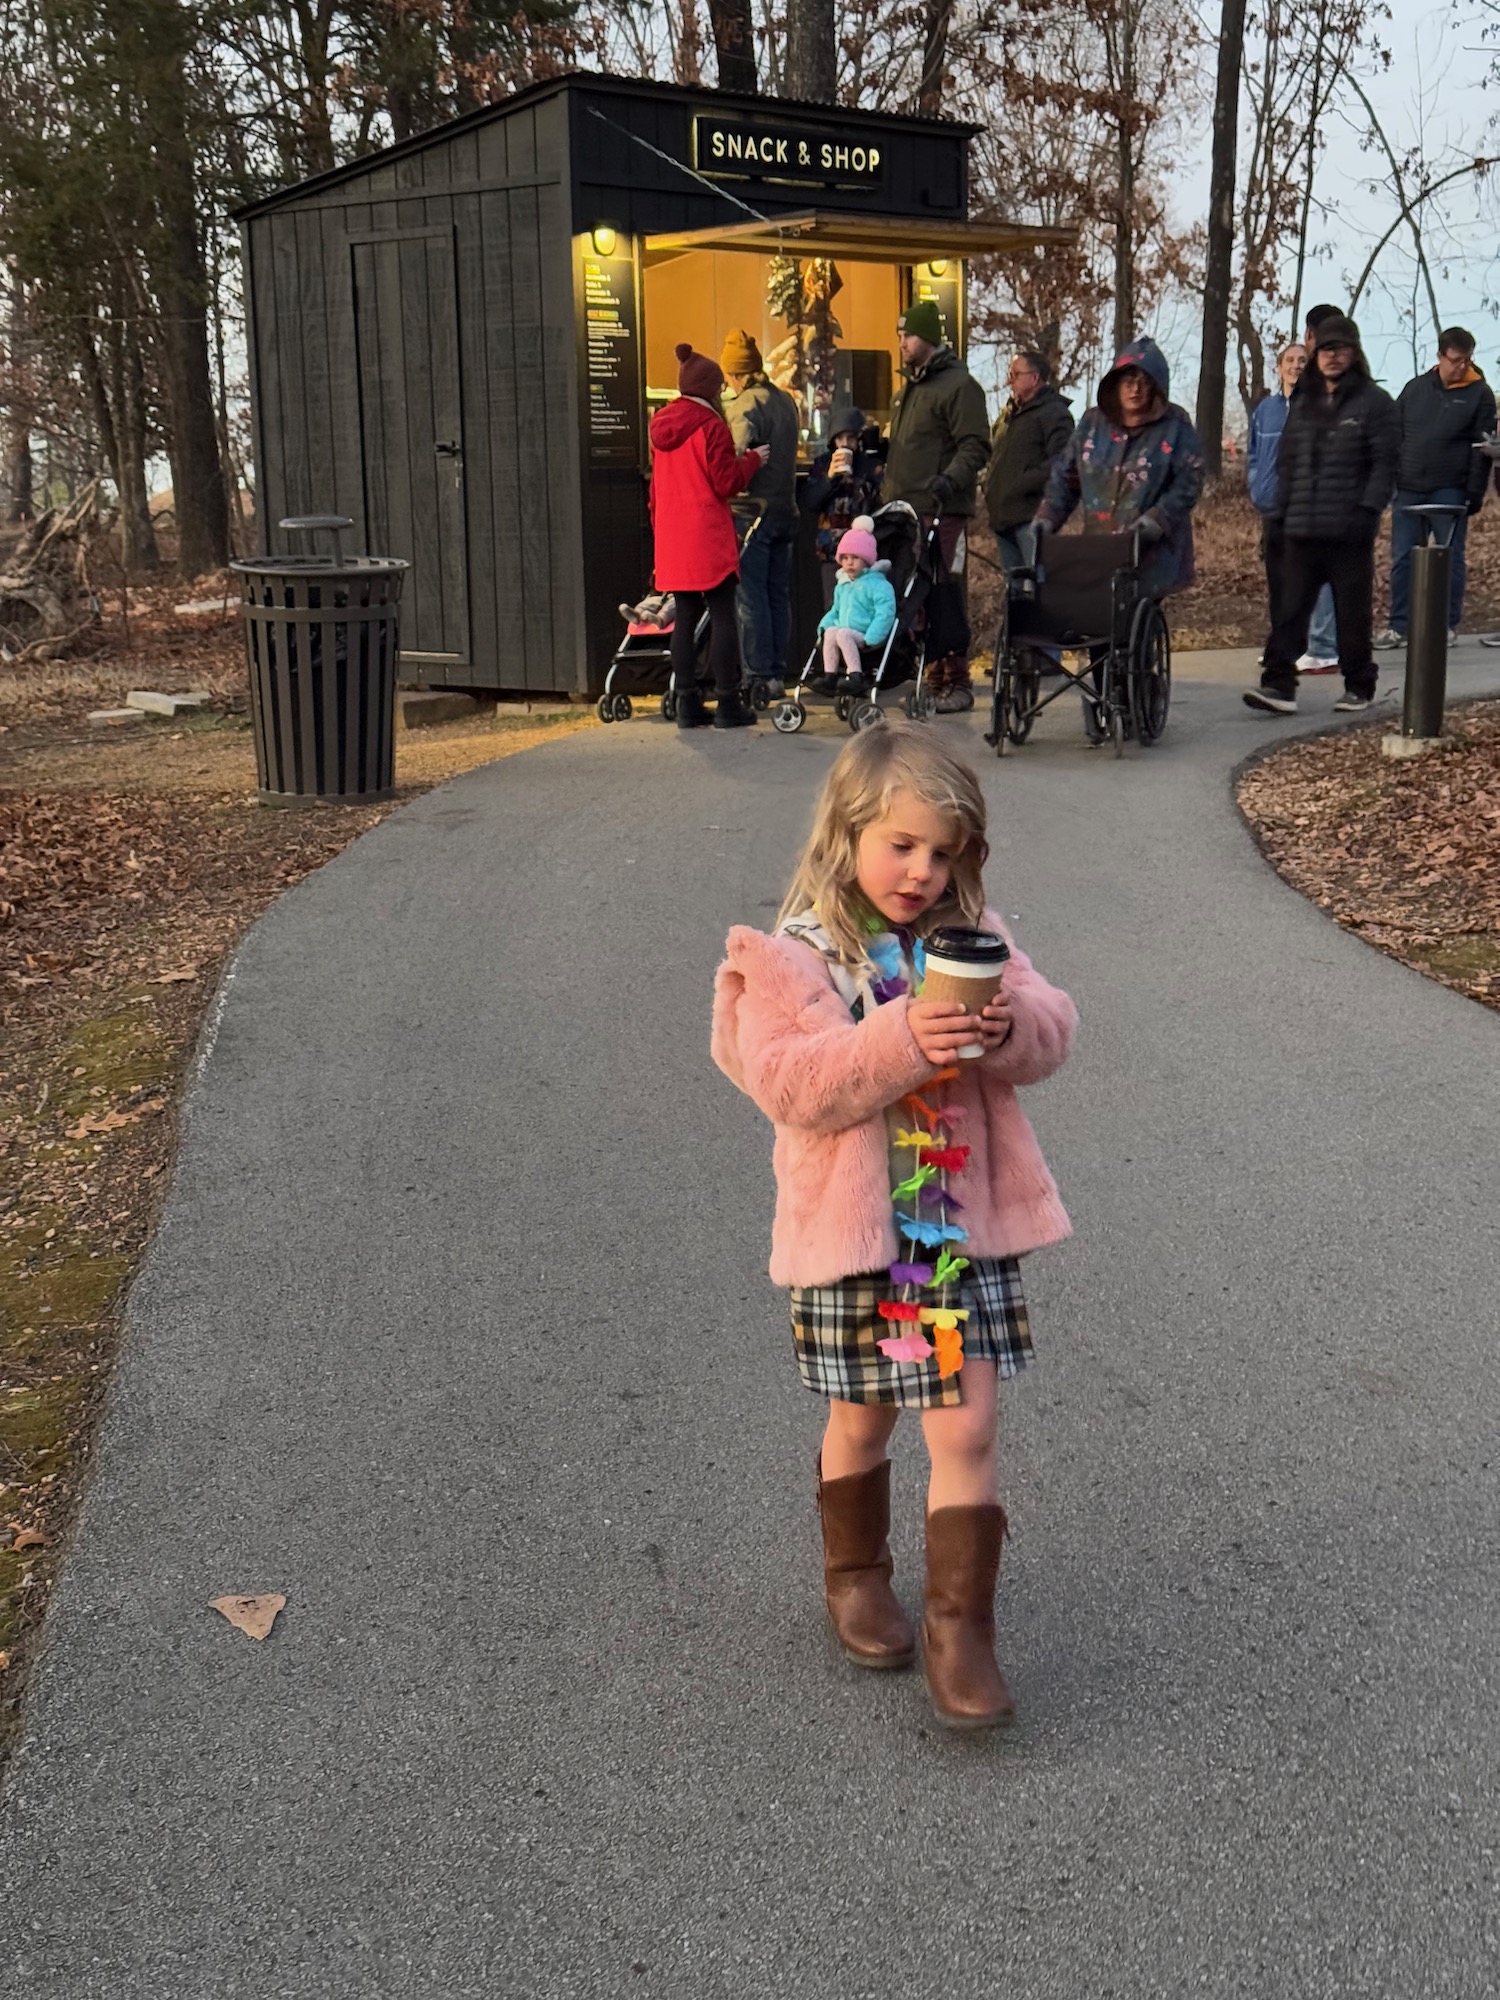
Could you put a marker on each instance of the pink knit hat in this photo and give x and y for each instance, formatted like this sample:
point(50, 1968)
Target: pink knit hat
point(860, 540)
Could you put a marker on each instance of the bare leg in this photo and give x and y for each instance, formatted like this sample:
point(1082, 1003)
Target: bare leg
point(963, 1445)
point(856, 1437)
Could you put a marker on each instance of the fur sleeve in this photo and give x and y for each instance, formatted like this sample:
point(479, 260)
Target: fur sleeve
point(783, 1036)
point(1045, 1020)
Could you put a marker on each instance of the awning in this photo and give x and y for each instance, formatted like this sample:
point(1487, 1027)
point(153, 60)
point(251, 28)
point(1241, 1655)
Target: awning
point(869, 239)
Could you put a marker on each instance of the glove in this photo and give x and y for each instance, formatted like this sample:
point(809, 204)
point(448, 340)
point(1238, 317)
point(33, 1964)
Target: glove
point(1475, 505)
point(1150, 529)
point(942, 491)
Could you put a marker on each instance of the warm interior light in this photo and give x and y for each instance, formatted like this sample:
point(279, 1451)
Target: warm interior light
point(939, 268)
point(604, 240)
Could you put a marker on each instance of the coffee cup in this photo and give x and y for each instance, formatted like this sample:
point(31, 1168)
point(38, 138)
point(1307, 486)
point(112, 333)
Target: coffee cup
point(965, 966)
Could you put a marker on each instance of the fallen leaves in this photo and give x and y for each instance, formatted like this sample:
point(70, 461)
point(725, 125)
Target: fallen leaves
point(183, 972)
point(254, 1616)
point(26, 1538)
point(1405, 853)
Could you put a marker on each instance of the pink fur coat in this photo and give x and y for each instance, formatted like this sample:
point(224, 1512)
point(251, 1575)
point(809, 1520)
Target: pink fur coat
point(783, 1035)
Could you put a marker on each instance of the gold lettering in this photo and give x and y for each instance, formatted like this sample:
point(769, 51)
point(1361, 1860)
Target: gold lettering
point(874, 159)
point(736, 146)
point(718, 145)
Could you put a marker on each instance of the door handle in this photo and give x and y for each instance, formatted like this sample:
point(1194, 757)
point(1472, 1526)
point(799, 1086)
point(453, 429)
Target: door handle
point(448, 448)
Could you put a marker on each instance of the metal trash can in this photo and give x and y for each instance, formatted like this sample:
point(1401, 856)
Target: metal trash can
point(321, 639)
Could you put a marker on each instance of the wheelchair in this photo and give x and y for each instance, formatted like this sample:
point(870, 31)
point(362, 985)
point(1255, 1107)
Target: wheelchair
point(1082, 592)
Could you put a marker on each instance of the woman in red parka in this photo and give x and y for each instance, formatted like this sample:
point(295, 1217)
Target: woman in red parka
point(693, 472)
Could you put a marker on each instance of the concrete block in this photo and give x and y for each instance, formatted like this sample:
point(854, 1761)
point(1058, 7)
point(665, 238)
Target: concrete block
point(151, 703)
point(1409, 746)
point(115, 718)
point(419, 708)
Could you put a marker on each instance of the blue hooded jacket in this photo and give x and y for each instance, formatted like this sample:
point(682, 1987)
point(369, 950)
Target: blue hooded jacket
point(865, 604)
point(1267, 422)
point(1152, 474)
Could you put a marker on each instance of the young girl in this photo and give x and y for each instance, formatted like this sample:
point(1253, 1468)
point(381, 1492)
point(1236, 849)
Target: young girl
point(908, 1183)
point(862, 613)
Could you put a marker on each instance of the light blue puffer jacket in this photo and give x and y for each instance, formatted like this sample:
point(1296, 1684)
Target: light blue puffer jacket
point(866, 606)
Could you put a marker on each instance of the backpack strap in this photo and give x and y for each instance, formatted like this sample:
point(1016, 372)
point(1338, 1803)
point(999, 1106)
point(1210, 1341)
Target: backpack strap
point(854, 992)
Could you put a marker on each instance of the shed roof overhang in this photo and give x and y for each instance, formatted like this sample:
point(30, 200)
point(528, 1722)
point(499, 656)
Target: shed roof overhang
point(871, 239)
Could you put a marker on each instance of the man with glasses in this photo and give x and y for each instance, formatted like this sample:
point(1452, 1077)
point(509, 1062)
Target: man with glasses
point(1335, 473)
point(1444, 413)
point(1029, 433)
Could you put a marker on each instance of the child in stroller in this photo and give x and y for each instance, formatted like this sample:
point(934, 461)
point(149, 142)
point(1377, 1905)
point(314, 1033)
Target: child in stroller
point(643, 659)
point(909, 558)
point(861, 615)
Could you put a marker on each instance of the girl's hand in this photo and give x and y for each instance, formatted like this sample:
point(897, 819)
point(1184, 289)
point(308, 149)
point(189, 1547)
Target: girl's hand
point(996, 1022)
point(940, 1028)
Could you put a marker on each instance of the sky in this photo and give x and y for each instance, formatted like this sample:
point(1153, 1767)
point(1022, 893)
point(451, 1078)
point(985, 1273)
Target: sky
point(1434, 92)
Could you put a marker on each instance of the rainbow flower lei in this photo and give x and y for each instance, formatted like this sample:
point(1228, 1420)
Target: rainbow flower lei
point(926, 1284)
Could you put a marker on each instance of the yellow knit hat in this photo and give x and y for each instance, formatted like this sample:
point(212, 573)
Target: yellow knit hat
point(741, 356)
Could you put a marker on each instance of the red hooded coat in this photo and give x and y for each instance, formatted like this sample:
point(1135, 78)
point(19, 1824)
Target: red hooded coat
point(693, 472)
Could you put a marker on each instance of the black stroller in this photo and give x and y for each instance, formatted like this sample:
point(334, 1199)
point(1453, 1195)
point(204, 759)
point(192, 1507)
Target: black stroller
point(1082, 592)
point(643, 660)
point(914, 566)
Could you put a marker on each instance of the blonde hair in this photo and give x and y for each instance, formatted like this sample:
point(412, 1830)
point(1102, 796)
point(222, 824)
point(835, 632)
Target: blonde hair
point(867, 775)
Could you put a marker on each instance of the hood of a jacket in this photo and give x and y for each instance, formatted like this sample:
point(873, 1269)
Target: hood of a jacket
point(676, 422)
point(848, 419)
point(1144, 354)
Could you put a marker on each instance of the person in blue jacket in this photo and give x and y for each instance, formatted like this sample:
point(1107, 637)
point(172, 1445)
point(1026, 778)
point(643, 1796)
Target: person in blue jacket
point(861, 615)
point(1267, 422)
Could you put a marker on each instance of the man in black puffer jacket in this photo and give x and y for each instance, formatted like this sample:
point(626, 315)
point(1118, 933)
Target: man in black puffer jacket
point(1336, 472)
point(1443, 415)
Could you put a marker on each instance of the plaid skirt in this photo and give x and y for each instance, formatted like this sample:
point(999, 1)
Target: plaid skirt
point(836, 1328)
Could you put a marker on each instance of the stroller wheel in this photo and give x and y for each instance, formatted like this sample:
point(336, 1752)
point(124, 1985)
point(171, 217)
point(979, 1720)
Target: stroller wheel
point(604, 708)
point(669, 706)
point(789, 717)
point(841, 707)
point(865, 715)
point(624, 708)
point(758, 692)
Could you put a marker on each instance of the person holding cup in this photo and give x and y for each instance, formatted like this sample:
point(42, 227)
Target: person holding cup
point(909, 1181)
point(843, 484)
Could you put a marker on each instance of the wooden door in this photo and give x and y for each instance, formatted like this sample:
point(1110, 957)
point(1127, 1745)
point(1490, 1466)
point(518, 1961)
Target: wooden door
point(411, 434)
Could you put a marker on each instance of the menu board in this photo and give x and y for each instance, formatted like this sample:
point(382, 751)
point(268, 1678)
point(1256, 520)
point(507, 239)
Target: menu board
point(612, 360)
point(947, 294)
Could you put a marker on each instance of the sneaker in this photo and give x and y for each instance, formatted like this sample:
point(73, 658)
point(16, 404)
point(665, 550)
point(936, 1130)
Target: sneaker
point(955, 701)
point(1452, 634)
point(1315, 663)
point(1350, 703)
point(1388, 640)
point(1269, 699)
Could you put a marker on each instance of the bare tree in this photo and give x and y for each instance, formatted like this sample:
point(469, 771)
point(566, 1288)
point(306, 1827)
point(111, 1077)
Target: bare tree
point(734, 39)
point(811, 69)
point(1218, 262)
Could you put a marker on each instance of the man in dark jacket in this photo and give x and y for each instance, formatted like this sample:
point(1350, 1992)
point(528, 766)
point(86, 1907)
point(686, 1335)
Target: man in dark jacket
point(1029, 433)
point(766, 513)
point(940, 440)
point(1336, 471)
point(1443, 415)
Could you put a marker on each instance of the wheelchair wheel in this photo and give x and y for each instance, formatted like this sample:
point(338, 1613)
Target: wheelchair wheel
point(788, 717)
point(1024, 694)
point(1150, 672)
point(1095, 721)
point(865, 715)
point(669, 705)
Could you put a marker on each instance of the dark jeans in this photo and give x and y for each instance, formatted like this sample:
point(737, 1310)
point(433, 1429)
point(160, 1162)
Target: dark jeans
point(723, 640)
point(765, 594)
point(1300, 569)
point(1408, 531)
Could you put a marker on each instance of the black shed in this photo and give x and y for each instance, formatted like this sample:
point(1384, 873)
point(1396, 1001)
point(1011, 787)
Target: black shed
point(458, 341)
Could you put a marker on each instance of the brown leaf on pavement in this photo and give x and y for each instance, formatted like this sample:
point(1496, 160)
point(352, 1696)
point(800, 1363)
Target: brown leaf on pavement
point(254, 1616)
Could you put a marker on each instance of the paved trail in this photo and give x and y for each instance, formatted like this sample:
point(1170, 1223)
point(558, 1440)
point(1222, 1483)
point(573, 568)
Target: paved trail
point(457, 1332)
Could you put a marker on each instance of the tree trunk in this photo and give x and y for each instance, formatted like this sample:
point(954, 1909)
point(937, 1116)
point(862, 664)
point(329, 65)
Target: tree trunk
point(734, 38)
point(17, 473)
point(1219, 259)
point(124, 444)
point(811, 70)
point(1125, 178)
point(1314, 111)
point(934, 58)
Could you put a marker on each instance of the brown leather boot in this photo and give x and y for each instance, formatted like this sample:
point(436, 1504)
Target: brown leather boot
point(958, 1626)
point(856, 1512)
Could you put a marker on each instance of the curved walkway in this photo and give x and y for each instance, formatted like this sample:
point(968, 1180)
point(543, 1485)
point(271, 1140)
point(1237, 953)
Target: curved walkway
point(457, 1332)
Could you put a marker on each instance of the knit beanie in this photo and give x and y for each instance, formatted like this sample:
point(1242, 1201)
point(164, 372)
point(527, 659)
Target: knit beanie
point(741, 356)
point(924, 320)
point(860, 540)
point(697, 375)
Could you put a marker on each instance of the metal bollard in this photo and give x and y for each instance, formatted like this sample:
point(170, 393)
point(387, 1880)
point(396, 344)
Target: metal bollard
point(1427, 634)
point(1427, 641)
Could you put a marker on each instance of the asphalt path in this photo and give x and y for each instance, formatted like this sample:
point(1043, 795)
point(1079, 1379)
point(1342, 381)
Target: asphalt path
point(457, 1332)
